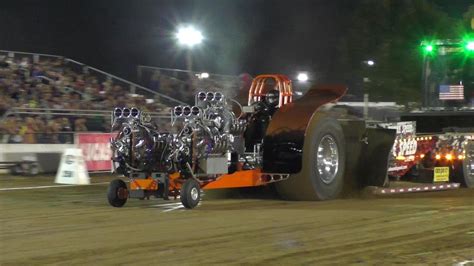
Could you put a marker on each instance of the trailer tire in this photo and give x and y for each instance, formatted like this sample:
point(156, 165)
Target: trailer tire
point(316, 181)
point(465, 173)
point(117, 193)
point(190, 193)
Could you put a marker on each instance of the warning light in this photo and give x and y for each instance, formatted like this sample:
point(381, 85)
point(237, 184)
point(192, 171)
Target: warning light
point(437, 157)
point(400, 158)
point(429, 48)
point(470, 46)
point(449, 156)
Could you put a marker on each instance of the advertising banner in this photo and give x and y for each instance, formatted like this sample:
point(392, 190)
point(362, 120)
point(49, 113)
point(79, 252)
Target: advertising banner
point(96, 150)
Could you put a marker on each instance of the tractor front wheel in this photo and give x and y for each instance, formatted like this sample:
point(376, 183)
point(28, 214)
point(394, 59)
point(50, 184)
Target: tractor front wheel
point(190, 193)
point(117, 193)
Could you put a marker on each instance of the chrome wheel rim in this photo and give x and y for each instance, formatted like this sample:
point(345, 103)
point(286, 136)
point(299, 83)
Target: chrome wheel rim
point(327, 159)
point(470, 160)
point(194, 193)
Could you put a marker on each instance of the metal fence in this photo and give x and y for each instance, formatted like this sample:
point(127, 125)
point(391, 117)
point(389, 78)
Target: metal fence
point(64, 137)
point(92, 121)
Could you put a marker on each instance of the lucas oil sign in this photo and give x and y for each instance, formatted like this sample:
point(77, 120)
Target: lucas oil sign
point(96, 150)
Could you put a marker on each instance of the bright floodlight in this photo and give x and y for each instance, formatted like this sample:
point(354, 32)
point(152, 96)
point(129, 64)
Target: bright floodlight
point(302, 77)
point(470, 46)
point(204, 75)
point(429, 48)
point(189, 36)
point(370, 62)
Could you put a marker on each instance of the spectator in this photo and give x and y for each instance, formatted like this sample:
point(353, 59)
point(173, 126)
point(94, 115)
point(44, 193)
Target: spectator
point(155, 81)
point(65, 135)
point(30, 130)
point(80, 125)
point(41, 130)
point(12, 127)
point(52, 132)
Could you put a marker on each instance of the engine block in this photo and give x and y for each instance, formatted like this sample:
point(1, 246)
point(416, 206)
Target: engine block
point(201, 142)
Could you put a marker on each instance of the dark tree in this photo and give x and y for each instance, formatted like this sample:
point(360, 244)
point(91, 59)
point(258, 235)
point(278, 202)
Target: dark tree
point(390, 32)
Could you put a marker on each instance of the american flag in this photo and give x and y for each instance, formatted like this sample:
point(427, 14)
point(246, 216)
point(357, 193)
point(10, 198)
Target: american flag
point(451, 92)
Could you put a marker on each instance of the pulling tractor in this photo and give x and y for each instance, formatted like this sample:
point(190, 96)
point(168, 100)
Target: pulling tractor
point(310, 148)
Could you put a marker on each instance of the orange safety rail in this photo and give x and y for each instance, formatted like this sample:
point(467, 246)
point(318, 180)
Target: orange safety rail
point(242, 178)
point(145, 184)
point(245, 178)
point(258, 89)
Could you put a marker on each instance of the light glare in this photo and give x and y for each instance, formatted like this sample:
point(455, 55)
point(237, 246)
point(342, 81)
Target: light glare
point(470, 46)
point(189, 36)
point(449, 156)
point(302, 77)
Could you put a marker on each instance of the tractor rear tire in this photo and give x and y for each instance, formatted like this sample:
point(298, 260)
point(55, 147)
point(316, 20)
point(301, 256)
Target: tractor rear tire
point(116, 193)
point(323, 165)
point(190, 193)
point(464, 172)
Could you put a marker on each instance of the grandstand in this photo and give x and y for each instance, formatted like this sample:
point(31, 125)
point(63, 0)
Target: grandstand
point(46, 98)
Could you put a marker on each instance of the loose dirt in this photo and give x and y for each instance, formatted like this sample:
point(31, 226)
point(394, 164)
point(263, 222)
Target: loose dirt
point(75, 225)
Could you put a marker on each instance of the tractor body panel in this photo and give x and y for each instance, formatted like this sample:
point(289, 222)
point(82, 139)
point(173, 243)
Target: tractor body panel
point(284, 140)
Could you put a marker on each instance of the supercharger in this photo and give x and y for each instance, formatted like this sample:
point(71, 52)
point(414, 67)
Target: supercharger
point(206, 139)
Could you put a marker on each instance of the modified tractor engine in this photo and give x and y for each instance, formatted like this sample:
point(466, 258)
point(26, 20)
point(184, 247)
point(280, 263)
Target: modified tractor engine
point(207, 139)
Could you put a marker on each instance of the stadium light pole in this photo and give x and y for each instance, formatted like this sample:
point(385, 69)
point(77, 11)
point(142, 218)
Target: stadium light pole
point(365, 87)
point(189, 37)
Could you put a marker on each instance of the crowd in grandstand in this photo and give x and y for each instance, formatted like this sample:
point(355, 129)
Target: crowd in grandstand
point(53, 84)
point(39, 130)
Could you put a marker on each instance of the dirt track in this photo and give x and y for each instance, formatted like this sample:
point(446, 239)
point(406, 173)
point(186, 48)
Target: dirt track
point(75, 225)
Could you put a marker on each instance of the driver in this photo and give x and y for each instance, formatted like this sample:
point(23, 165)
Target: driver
point(268, 104)
point(259, 121)
point(272, 97)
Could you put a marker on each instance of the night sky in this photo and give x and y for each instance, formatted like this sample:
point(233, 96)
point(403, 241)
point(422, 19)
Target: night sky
point(241, 35)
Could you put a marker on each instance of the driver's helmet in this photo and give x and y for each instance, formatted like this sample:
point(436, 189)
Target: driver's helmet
point(272, 97)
